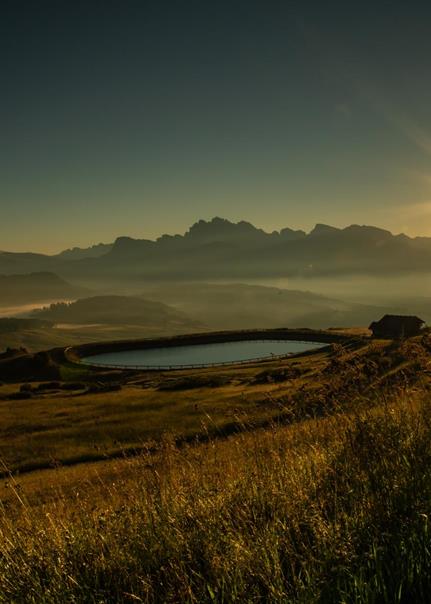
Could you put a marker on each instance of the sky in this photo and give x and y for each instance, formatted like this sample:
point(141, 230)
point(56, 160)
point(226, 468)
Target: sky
point(139, 118)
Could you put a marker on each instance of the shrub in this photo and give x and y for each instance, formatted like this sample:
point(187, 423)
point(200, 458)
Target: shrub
point(98, 387)
point(49, 386)
point(277, 375)
point(194, 381)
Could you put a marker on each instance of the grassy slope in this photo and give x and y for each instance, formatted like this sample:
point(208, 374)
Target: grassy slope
point(330, 509)
point(99, 318)
point(66, 426)
point(115, 310)
point(42, 339)
point(63, 426)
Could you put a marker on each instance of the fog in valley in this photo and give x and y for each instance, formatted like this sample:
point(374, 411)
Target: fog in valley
point(134, 309)
point(218, 275)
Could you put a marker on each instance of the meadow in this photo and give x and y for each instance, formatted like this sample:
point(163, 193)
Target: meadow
point(54, 425)
point(301, 481)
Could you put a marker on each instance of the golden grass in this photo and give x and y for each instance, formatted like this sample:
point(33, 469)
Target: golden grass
point(58, 427)
point(333, 507)
point(320, 511)
point(65, 427)
point(36, 339)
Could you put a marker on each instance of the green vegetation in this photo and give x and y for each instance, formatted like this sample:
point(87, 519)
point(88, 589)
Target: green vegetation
point(306, 480)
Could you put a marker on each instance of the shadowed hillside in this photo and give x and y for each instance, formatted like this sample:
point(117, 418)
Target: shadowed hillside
point(34, 287)
point(116, 309)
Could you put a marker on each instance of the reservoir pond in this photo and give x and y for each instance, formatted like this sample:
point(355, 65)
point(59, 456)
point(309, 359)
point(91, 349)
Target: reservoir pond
point(200, 354)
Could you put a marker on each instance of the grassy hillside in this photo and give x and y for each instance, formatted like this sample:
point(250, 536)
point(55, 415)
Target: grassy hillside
point(328, 501)
point(116, 309)
point(93, 320)
point(88, 415)
point(67, 334)
point(90, 423)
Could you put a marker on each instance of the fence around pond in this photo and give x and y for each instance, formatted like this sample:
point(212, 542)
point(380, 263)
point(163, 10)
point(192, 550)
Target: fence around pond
point(170, 367)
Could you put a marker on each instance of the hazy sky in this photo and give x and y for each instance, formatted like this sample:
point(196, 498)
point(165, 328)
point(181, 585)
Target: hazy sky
point(138, 118)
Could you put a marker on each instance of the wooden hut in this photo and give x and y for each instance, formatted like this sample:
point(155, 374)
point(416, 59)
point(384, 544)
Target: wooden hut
point(397, 326)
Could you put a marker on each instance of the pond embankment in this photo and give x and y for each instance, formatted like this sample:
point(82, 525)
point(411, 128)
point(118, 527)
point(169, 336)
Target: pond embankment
point(76, 353)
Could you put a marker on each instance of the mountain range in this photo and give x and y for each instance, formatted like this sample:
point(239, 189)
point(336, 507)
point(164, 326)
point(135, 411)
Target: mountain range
point(222, 249)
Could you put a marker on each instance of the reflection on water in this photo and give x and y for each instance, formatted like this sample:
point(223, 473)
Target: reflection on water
point(201, 354)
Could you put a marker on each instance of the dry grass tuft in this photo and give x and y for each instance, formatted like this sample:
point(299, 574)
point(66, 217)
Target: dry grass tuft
point(328, 500)
point(329, 510)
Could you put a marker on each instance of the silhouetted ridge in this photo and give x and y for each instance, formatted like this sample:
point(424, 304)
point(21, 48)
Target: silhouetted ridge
point(323, 230)
point(219, 248)
point(290, 234)
point(125, 246)
point(220, 229)
point(77, 253)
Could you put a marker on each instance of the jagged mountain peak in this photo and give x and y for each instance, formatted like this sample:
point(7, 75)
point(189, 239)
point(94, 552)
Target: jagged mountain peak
point(323, 229)
point(219, 248)
point(367, 229)
point(221, 227)
point(290, 234)
point(125, 247)
point(78, 253)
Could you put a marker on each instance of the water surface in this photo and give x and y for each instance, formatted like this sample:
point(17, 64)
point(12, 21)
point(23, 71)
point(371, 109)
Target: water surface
point(201, 354)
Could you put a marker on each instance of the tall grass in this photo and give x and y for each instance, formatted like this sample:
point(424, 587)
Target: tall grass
point(335, 509)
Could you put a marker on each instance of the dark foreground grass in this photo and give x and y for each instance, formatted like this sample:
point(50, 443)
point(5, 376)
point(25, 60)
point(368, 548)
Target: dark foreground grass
point(335, 509)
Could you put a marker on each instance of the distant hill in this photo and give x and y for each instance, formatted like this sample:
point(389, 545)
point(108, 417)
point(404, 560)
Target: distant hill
point(18, 263)
point(222, 249)
point(93, 320)
point(242, 306)
point(35, 287)
point(118, 310)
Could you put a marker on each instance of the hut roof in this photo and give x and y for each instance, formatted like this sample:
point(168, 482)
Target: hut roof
point(397, 321)
point(400, 319)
